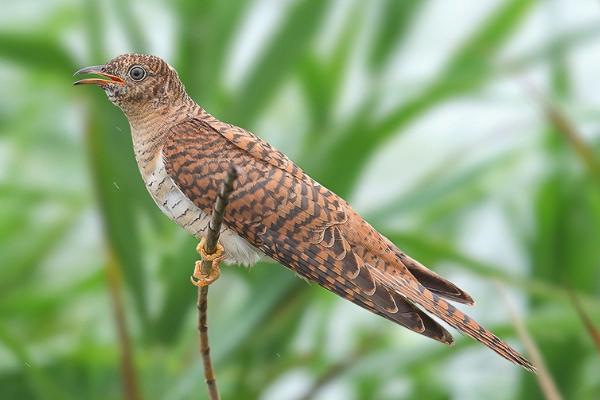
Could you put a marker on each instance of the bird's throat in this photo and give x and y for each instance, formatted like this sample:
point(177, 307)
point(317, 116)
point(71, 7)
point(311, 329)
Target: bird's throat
point(150, 127)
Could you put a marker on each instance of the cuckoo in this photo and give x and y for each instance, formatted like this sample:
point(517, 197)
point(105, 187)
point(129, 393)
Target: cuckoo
point(276, 210)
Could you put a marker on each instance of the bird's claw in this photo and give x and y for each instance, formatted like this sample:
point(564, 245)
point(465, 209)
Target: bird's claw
point(217, 255)
point(198, 278)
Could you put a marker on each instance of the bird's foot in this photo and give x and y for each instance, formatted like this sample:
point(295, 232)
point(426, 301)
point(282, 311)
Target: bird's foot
point(198, 278)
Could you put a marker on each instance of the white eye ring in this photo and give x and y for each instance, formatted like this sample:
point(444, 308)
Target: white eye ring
point(137, 73)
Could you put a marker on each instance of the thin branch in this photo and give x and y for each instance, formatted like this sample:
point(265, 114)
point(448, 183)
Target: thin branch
point(545, 381)
point(212, 238)
point(565, 126)
point(587, 321)
point(214, 226)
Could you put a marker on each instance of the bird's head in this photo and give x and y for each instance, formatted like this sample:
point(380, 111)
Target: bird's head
point(137, 83)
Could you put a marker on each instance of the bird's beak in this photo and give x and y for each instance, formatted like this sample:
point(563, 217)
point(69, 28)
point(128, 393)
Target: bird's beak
point(97, 70)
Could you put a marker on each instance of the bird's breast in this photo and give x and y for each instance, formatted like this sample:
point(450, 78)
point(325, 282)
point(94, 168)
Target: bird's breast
point(174, 204)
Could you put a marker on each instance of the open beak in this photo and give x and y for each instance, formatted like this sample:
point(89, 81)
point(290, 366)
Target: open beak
point(97, 70)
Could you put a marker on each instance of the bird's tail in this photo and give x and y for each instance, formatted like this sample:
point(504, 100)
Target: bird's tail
point(433, 303)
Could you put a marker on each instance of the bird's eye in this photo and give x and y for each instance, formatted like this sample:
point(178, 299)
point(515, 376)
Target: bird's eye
point(137, 73)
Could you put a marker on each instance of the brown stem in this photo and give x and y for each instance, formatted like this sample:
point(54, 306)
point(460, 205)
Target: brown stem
point(212, 237)
point(114, 268)
point(564, 126)
point(543, 376)
point(587, 321)
point(130, 386)
point(568, 129)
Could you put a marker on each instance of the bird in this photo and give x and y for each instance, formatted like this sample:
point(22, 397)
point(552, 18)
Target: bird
point(275, 211)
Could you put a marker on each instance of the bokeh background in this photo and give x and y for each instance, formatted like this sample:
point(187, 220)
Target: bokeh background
point(467, 131)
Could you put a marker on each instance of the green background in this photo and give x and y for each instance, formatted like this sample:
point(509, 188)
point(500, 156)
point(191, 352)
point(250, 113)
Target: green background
point(428, 116)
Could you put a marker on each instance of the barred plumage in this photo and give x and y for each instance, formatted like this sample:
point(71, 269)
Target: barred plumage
point(275, 208)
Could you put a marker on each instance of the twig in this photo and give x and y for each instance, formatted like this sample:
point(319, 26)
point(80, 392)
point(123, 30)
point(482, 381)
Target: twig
point(212, 237)
point(545, 381)
point(564, 126)
point(587, 321)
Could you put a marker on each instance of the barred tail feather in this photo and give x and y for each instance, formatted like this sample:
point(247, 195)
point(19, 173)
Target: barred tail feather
point(439, 307)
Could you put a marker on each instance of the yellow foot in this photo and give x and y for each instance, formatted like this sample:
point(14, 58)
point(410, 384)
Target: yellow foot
point(199, 279)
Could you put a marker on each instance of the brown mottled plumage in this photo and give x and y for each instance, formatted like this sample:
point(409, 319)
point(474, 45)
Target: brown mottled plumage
point(275, 208)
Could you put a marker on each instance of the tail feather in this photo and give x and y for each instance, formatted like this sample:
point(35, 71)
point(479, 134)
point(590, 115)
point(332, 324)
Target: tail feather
point(434, 282)
point(383, 301)
point(428, 327)
point(431, 329)
point(393, 293)
point(433, 303)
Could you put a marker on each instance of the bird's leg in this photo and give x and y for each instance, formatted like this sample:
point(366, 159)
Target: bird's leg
point(199, 279)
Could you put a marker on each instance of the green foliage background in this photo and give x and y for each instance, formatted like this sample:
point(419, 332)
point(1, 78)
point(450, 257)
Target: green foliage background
point(325, 85)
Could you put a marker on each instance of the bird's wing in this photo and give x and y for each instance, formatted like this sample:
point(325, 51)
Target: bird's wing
point(309, 229)
point(255, 146)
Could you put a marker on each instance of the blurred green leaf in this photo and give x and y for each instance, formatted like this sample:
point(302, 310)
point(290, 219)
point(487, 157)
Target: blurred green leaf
point(117, 191)
point(466, 71)
point(23, 252)
point(129, 22)
point(286, 48)
point(39, 381)
point(441, 184)
point(395, 20)
point(67, 172)
point(205, 33)
point(178, 296)
point(36, 51)
point(432, 252)
point(32, 302)
point(322, 80)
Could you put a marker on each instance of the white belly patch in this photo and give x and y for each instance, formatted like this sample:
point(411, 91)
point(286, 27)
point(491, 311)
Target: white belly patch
point(180, 209)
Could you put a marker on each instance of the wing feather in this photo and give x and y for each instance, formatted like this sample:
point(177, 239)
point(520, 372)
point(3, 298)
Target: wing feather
point(304, 226)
